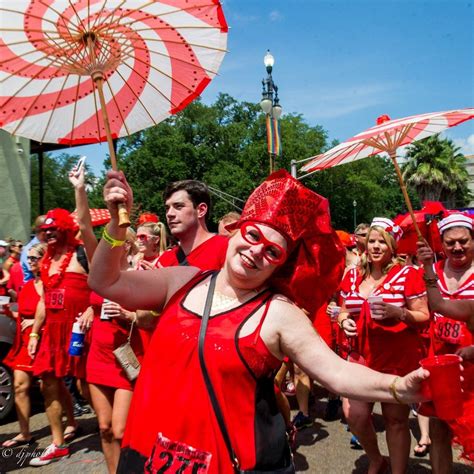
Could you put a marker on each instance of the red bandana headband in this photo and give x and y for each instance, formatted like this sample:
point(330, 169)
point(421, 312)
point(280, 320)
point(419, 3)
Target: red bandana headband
point(315, 262)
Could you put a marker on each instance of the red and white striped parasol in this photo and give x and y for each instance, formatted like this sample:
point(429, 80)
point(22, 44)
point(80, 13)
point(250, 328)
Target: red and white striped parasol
point(387, 136)
point(154, 58)
point(98, 216)
point(137, 61)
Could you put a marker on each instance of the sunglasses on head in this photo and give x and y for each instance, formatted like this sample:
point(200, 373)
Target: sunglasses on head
point(272, 252)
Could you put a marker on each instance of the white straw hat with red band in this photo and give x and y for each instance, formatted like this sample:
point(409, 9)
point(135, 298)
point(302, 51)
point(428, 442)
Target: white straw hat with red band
point(389, 226)
point(455, 220)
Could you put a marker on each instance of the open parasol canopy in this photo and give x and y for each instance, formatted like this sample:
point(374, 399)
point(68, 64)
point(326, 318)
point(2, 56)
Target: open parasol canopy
point(137, 61)
point(98, 216)
point(387, 136)
point(152, 57)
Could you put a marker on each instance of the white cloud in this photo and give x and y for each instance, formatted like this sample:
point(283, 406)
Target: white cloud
point(275, 15)
point(466, 144)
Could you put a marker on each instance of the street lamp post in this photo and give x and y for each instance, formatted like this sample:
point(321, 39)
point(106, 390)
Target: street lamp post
point(270, 105)
point(354, 203)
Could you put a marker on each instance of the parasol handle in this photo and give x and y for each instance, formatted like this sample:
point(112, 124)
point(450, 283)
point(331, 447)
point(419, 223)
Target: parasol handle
point(405, 194)
point(124, 219)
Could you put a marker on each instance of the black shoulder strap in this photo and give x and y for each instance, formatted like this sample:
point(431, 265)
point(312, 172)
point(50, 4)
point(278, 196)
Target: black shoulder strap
point(207, 379)
point(82, 258)
point(182, 259)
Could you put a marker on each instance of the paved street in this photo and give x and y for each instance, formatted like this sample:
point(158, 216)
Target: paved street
point(324, 448)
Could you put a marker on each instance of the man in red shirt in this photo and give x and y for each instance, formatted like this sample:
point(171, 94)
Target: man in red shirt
point(187, 212)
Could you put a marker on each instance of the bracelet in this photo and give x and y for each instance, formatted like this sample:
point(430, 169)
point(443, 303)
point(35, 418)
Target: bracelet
point(432, 280)
point(392, 388)
point(154, 313)
point(340, 323)
point(35, 335)
point(110, 240)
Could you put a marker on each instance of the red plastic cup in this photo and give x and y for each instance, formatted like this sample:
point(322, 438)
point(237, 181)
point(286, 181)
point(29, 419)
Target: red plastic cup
point(445, 384)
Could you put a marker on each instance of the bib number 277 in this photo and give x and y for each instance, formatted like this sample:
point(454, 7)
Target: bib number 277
point(175, 457)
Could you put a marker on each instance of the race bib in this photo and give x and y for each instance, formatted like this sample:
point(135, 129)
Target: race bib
point(176, 458)
point(54, 299)
point(449, 330)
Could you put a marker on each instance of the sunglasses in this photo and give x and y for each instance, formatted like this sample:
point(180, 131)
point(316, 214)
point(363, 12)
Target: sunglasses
point(362, 235)
point(31, 258)
point(272, 252)
point(144, 237)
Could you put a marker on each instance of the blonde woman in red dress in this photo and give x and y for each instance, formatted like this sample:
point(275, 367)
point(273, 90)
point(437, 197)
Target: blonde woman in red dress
point(383, 337)
point(18, 358)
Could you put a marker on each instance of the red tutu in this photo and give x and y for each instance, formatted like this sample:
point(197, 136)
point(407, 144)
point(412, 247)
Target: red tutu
point(18, 358)
point(53, 356)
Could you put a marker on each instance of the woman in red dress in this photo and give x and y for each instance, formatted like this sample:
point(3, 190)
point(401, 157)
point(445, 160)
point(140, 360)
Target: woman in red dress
point(251, 328)
point(18, 358)
point(382, 303)
point(110, 325)
point(151, 243)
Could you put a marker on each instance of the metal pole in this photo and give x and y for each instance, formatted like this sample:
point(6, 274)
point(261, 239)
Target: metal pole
point(41, 182)
point(293, 168)
point(355, 213)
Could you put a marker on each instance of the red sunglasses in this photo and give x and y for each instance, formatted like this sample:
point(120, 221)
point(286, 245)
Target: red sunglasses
point(272, 252)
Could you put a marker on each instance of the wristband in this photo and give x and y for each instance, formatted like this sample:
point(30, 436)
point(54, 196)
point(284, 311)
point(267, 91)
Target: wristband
point(110, 240)
point(155, 313)
point(392, 388)
point(35, 335)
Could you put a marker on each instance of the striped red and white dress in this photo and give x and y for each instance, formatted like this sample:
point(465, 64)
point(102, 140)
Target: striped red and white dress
point(449, 335)
point(387, 345)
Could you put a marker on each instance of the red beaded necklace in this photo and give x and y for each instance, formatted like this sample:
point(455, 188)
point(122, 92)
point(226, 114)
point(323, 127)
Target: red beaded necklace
point(50, 281)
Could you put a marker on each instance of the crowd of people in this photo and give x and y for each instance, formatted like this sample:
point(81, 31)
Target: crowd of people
point(230, 321)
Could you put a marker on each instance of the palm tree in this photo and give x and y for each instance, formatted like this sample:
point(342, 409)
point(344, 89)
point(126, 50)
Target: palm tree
point(436, 170)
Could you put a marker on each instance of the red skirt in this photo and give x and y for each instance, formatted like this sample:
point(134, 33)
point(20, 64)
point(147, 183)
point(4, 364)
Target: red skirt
point(18, 358)
point(53, 355)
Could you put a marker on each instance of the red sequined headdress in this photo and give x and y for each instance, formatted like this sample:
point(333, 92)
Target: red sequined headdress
point(315, 263)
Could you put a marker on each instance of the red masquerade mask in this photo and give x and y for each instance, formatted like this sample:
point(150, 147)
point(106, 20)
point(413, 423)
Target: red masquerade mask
point(272, 252)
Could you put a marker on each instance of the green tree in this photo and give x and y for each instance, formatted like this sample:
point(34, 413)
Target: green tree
point(57, 190)
point(436, 171)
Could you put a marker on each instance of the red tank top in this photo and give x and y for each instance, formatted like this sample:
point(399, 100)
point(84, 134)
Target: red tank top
point(171, 397)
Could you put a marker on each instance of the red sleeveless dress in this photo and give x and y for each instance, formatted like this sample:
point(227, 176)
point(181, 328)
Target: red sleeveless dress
point(18, 358)
point(102, 367)
point(61, 313)
point(242, 372)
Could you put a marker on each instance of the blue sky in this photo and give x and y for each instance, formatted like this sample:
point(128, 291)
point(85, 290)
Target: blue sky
point(342, 63)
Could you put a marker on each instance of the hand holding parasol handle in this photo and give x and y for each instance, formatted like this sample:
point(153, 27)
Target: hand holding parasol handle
point(124, 220)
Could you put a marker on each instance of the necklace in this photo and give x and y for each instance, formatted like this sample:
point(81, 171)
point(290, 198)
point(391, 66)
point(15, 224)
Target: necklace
point(221, 301)
point(50, 281)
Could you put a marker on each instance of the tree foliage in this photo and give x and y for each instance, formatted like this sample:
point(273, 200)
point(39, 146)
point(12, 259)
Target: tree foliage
point(224, 144)
point(436, 171)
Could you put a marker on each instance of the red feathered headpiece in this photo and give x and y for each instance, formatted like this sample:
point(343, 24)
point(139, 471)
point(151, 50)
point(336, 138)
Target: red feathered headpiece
point(315, 263)
point(62, 220)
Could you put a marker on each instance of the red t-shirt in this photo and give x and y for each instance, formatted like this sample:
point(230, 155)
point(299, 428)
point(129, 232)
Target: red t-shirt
point(210, 255)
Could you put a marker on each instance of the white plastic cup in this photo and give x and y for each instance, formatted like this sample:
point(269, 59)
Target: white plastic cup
point(335, 311)
point(374, 299)
point(103, 316)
